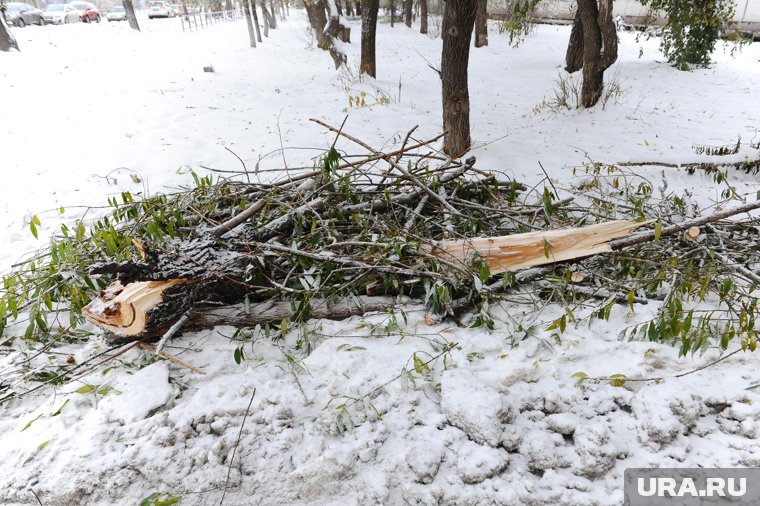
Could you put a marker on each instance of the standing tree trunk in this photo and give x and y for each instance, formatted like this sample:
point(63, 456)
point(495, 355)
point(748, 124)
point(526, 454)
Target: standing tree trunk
point(256, 20)
point(249, 21)
point(358, 8)
point(130, 11)
point(273, 14)
point(369, 30)
point(349, 9)
point(481, 23)
point(339, 7)
point(598, 38)
point(393, 12)
point(408, 19)
point(315, 10)
point(265, 15)
point(458, 21)
point(574, 55)
point(7, 40)
point(423, 16)
point(333, 30)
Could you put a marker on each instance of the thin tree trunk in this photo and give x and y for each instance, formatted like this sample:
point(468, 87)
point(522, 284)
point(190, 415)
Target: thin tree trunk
point(339, 6)
point(130, 11)
point(369, 31)
point(481, 24)
point(273, 14)
point(408, 19)
point(256, 20)
point(358, 8)
point(7, 40)
point(333, 30)
point(458, 21)
point(574, 55)
point(265, 16)
point(315, 10)
point(349, 9)
point(393, 12)
point(249, 21)
point(599, 39)
point(423, 16)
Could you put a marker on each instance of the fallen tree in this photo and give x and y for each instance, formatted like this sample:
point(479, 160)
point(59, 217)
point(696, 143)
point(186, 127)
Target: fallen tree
point(362, 233)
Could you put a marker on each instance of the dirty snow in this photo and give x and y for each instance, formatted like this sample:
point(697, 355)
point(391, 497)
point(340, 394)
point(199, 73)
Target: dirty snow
point(93, 110)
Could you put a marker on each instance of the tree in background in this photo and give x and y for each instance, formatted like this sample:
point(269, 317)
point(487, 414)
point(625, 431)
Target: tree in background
point(592, 47)
point(130, 11)
point(458, 21)
point(481, 24)
point(369, 10)
point(693, 28)
point(7, 41)
point(249, 22)
point(408, 13)
point(423, 16)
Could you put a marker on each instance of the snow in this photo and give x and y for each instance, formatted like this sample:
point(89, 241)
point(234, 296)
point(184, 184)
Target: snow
point(93, 110)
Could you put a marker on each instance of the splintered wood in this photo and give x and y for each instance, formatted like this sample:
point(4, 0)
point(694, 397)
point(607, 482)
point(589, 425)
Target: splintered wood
point(522, 251)
point(126, 310)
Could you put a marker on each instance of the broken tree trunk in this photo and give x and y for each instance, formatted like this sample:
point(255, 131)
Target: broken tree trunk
point(146, 310)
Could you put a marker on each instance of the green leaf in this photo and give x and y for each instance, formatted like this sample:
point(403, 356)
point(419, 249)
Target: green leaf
point(420, 367)
point(31, 422)
point(58, 412)
point(43, 444)
point(617, 380)
point(168, 502)
point(657, 230)
point(86, 389)
point(582, 376)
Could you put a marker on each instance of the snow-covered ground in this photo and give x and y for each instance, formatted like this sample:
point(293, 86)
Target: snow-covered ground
point(91, 110)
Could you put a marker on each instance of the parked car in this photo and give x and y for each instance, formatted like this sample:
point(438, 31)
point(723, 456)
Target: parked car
point(59, 14)
point(89, 11)
point(21, 14)
point(117, 13)
point(160, 10)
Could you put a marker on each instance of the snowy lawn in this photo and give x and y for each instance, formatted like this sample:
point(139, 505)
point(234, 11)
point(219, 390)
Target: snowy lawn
point(92, 110)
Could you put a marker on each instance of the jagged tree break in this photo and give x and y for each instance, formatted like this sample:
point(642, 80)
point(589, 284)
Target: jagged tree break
point(458, 21)
point(593, 47)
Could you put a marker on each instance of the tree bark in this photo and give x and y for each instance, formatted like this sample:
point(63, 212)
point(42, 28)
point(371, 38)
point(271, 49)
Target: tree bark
point(369, 31)
point(315, 10)
point(481, 23)
point(273, 15)
point(458, 21)
point(349, 9)
point(256, 20)
point(423, 16)
point(7, 40)
point(393, 13)
point(574, 55)
point(358, 8)
point(599, 39)
point(408, 20)
point(249, 22)
point(131, 18)
point(333, 30)
point(265, 16)
point(339, 7)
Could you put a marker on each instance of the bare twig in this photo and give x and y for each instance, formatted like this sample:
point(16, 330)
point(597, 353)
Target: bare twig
point(234, 449)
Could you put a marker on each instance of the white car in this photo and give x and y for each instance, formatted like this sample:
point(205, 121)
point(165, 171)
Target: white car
point(61, 14)
point(117, 13)
point(160, 10)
